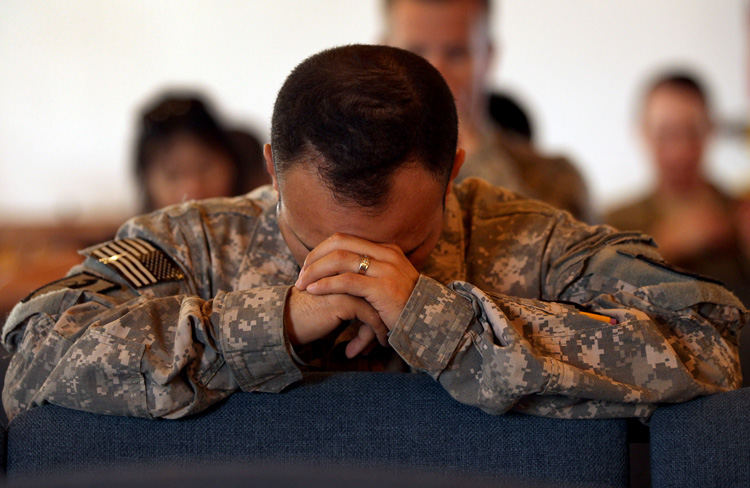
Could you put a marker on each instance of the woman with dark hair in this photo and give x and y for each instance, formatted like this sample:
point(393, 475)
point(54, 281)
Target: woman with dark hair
point(184, 153)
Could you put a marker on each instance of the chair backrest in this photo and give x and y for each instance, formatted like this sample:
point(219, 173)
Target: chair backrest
point(704, 442)
point(341, 419)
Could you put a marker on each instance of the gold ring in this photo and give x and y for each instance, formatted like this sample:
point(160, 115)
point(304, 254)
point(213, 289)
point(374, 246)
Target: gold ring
point(364, 264)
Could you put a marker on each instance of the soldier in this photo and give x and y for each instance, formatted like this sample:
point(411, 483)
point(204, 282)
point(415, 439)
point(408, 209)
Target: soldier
point(370, 258)
point(696, 223)
point(455, 36)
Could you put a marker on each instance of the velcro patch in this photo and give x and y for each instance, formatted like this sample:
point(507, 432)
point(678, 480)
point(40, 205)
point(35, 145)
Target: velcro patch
point(138, 261)
point(670, 267)
point(78, 281)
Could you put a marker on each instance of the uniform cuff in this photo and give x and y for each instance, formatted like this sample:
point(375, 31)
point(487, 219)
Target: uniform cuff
point(431, 325)
point(251, 325)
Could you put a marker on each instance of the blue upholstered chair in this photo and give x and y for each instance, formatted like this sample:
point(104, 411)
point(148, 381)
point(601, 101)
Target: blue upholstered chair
point(375, 421)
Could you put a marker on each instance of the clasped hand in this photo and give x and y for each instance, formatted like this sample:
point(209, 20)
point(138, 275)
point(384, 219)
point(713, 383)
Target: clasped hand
point(330, 290)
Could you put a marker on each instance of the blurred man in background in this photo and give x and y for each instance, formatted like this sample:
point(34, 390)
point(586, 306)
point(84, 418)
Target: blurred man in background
point(694, 223)
point(454, 35)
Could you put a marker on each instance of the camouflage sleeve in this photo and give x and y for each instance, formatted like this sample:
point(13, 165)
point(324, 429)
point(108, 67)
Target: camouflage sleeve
point(658, 336)
point(123, 343)
point(119, 353)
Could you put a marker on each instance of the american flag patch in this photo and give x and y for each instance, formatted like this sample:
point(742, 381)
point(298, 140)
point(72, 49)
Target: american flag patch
point(138, 261)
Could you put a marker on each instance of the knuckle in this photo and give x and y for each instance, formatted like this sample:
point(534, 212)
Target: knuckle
point(393, 253)
point(391, 248)
point(340, 255)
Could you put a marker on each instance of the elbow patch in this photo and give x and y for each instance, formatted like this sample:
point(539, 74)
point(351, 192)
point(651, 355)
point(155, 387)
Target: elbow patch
point(668, 270)
point(639, 265)
point(668, 287)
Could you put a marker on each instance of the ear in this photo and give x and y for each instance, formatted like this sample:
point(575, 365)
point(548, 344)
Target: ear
point(268, 155)
point(493, 57)
point(493, 51)
point(457, 163)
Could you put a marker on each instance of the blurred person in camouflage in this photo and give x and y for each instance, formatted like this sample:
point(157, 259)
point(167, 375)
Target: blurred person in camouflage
point(696, 224)
point(689, 217)
point(455, 36)
point(363, 255)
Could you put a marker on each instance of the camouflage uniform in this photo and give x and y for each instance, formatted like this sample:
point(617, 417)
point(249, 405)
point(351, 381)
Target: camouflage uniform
point(511, 162)
point(495, 317)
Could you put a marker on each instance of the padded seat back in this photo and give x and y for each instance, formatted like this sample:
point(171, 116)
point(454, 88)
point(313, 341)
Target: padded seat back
point(389, 420)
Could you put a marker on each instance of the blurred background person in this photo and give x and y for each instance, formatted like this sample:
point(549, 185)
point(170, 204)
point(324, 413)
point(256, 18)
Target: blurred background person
point(184, 152)
point(454, 35)
point(695, 223)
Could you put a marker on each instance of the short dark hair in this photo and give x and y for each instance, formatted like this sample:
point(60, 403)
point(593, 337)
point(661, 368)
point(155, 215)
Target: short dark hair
point(508, 114)
point(173, 114)
point(680, 79)
point(360, 112)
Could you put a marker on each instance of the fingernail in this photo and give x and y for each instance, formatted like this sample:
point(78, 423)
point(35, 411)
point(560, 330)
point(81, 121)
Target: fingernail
point(312, 286)
point(299, 280)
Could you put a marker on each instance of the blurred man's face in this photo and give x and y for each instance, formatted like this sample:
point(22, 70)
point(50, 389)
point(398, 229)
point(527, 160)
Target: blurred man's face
point(676, 128)
point(412, 218)
point(453, 37)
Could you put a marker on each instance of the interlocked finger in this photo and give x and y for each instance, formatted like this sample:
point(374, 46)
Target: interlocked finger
point(339, 262)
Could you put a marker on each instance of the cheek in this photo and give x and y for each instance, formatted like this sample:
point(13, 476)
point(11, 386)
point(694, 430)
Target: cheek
point(220, 177)
point(159, 187)
point(419, 259)
point(219, 187)
point(299, 253)
point(458, 77)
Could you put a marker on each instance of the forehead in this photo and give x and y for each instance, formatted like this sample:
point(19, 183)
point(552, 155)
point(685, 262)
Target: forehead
point(182, 148)
point(674, 103)
point(407, 217)
point(432, 21)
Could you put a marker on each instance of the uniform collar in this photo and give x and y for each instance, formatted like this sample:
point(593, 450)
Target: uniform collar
point(268, 260)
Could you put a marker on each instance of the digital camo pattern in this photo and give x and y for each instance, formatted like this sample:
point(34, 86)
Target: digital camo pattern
point(495, 318)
